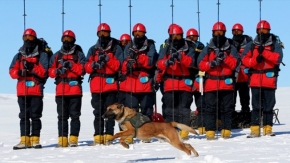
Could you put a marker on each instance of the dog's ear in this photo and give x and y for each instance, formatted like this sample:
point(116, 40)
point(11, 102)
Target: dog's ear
point(120, 106)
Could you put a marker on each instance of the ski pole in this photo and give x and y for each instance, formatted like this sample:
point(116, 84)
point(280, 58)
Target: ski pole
point(260, 89)
point(131, 87)
point(62, 94)
point(101, 83)
point(172, 75)
point(25, 78)
point(217, 81)
point(200, 73)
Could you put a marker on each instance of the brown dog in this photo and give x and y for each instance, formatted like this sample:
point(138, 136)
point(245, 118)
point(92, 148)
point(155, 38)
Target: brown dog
point(160, 130)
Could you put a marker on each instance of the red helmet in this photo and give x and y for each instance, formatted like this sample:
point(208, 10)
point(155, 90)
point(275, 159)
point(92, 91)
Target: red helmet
point(192, 32)
point(104, 27)
point(263, 24)
point(69, 33)
point(29, 31)
point(125, 37)
point(175, 30)
point(139, 27)
point(238, 27)
point(171, 26)
point(219, 26)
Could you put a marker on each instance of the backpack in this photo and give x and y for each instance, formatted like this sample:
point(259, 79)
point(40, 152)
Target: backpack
point(43, 47)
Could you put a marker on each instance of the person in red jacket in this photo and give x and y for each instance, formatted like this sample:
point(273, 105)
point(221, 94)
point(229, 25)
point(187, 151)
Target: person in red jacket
point(125, 39)
point(263, 56)
point(103, 64)
point(175, 62)
point(67, 67)
point(192, 37)
point(240, 40)
point(138, 69)
point(219, 60)
point(29, 66)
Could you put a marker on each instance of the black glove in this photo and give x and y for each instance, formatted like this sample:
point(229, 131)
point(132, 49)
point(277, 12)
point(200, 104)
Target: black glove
point(200, 46)
point(103, 57)
point(132, 54)
point(130, 65)
point(260, 49)
point(169, 62)
point(175, 56)
point(214, 63)
point(259, 58)
point(60, 71)
point(22, 72)
point(221, 55)
point(28, 65)
point(67, 64)
point(97, 65)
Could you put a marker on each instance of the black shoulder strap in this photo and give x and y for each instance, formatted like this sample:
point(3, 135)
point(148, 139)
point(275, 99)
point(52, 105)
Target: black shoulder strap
point(115, 43)
point(274, 39)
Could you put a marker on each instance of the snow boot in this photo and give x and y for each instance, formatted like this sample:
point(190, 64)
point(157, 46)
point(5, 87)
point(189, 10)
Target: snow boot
point(226, 134)
point(267, 131)
point(62, 142)
point(98, 140)
point(107, 139)
point(184, 134)
point(34, 140)
point(255, 132)
point(73, 141)
point(24, 143)
point(210, 135)
point(201, 130)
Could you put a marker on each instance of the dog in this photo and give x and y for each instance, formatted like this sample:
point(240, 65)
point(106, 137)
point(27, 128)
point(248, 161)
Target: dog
point(159, 130)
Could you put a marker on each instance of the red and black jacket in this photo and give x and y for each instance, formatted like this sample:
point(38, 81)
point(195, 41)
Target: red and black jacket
point(105, 79)
point(140, 80)
point(69, 83)
point(263, 74)
point(177, 76)
point(33, 82)
point(220, 77)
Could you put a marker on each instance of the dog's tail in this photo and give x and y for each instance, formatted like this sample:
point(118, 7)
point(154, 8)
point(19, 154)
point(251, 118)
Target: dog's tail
point(183, 127)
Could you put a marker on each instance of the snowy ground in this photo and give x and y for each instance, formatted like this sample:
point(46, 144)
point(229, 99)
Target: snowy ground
point(238, 149)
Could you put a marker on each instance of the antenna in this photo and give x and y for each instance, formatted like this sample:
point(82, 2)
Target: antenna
point(24, 15)
point(62, 15)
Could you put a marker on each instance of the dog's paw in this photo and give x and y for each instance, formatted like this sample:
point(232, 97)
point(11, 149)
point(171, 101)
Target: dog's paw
point(125, 145)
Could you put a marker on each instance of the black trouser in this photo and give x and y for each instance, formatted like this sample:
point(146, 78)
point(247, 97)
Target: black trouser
point(244, 94)
point(33, 111)
point(225, 101)
point(180, 112)
point(267, 103)
point(121, 97)
point(146, 101)
point(100, 102)
point(162, 100)
point(200, 106)
point(71, 107)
